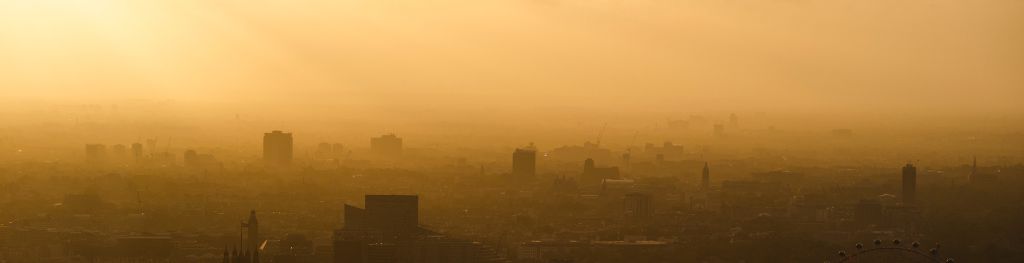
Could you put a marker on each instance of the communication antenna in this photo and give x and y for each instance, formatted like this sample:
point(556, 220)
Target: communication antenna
point(601, 134)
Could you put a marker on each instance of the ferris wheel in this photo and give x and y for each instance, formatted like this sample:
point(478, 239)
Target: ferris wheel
point(893, 251)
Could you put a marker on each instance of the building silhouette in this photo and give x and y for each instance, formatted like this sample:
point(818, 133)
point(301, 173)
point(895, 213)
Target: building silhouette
point(190, 158)
point(393, 213)
point(370, 234)
point(909, 184)
point(524, 162)
point(193, 159)
point(137, 151)
point(638, 206)
point(390, 216)
point(666, 150)
point(386, 145)
point(705, 178)
point(387, 230)
point(579, 152)
point(151, 145)
point(277, 148)
point(252, 236)
point(592, 173)
point(250, 242)
point(323, 150)
point(326, 150)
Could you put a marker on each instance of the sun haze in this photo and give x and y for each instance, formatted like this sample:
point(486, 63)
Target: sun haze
point(843, 56)
point(511, 130)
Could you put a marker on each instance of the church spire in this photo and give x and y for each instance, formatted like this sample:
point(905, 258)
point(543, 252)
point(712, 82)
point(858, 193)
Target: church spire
point(253, 238)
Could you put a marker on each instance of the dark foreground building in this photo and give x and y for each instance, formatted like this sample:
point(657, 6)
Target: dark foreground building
point(387, 230)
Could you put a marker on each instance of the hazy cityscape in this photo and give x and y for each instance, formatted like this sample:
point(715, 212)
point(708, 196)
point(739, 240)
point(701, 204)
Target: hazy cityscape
point(511, 131)
point(700, 188)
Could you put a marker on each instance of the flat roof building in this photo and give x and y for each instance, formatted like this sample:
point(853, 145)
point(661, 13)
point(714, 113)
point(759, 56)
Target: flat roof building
point(277, 148)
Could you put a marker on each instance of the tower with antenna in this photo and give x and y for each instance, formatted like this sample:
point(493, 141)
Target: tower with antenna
point(909, 184)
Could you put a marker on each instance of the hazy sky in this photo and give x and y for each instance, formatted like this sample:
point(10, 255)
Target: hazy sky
point(847, 55)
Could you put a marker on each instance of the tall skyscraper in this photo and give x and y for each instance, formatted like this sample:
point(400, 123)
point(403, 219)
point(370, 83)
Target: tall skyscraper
point(524, 162)
point(705, 178)
point(909, 183)
point(387, 145)
point(277, 148)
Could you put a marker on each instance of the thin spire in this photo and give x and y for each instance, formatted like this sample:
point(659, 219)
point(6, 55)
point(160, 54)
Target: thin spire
point(974, 170)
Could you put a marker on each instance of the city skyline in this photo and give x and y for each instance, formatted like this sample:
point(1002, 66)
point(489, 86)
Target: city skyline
point(511, 131)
